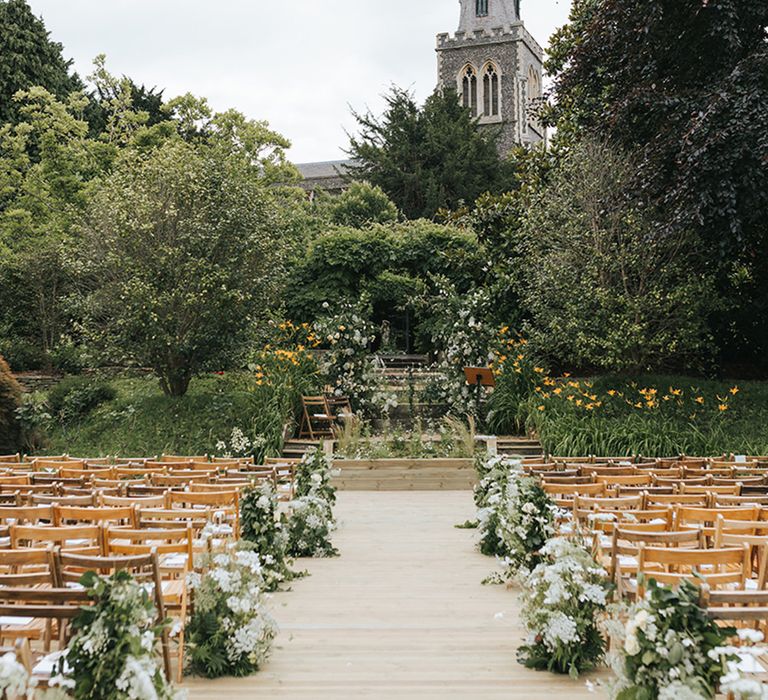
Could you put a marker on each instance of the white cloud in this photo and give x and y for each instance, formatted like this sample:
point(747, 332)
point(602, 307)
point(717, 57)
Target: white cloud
point(299, 64)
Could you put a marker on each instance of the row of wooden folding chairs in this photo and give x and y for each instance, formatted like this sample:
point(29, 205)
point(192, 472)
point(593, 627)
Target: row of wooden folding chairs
point(39, 588)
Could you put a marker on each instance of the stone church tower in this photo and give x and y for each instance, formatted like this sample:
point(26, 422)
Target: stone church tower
point(495, 66)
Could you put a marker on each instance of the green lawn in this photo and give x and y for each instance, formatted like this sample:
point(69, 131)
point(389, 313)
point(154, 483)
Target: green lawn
point(141, 421)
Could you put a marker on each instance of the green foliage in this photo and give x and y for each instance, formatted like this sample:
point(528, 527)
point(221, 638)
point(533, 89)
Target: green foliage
point(112, 655)
point(362, 204)
point(230, 633)
point(313, 476)
point(10, 403)
point(309, 526)
point(650, 415)
point(684, 85)
point(391, 264)
point(75, 397)
point(604, 289)
point(169, 237)
point(143, 421)
point(685, 668)
point(28, 57)
point(348, 364)
point(426, 158)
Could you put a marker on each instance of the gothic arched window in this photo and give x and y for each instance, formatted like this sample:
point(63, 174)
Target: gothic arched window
point(534, 83)
point(490, 91)
point(469, 89)
point(481, 8)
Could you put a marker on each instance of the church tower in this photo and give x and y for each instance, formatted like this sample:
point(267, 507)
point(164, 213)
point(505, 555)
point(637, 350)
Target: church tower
point(495, 66)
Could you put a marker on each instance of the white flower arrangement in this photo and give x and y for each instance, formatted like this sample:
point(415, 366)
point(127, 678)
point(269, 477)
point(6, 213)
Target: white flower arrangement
point(115, 640)
point(670, 648)
point(14, 678)
point(563, 600)
point(310, 525)
point(230, 632)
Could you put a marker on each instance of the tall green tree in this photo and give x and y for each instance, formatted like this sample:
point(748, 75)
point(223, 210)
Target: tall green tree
point(684, 83)
point(28, 58)
point(605, 289)
point(186, 251)
point(426, 157)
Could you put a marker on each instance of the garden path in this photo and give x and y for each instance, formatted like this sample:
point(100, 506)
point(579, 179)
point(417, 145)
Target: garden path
point(401, 614)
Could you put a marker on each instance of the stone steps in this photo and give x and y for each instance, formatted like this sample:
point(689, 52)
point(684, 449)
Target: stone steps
point(518, 446)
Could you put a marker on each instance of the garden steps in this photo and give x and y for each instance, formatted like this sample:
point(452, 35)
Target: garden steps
point(296, 449)
point(405, 474)
point(519, 446)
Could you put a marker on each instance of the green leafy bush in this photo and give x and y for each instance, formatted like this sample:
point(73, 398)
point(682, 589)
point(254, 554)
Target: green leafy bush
point(75, 397)
point(362, 204)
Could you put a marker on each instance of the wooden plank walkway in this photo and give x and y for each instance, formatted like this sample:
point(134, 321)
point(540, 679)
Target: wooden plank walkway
point(401, 614)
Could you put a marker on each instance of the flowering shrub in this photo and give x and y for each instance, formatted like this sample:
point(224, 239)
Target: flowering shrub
point(310, 525)
point(260, 526)
point(515, 515)
point(349, 364)
point(490, 493)
point(313, 476)
point(464, 339)
point(311, 522)
point(240, 445)
point(563, 598)
point(668, 648)
point(112, 655)
point(230, 633)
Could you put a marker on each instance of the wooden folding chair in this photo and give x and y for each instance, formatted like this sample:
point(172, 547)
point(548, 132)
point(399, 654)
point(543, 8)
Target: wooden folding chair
point(81, 539)
point(316, 419)
point(123, 515)
point(174, 548)
point(69, 568)
point(717, 567)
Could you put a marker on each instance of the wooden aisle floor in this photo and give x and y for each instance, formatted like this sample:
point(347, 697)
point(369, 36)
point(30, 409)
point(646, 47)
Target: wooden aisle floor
point(401, 614)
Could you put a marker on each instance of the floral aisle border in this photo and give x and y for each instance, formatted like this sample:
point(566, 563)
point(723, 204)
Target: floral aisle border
point(665, 645)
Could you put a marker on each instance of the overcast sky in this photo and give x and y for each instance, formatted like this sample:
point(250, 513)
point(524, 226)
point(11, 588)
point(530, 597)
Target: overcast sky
point(300, 64)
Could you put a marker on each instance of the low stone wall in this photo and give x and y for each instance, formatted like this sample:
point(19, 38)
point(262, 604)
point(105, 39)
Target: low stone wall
point(37, 382)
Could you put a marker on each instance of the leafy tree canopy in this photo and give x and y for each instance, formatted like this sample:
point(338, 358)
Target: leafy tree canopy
point(429, 157)
point(29, 58)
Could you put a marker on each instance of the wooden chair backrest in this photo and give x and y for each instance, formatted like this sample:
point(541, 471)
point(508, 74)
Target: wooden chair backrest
point(711, 490)
point(26, 515)
point(173, 480)
point(27, 567)
point(146, 502)
point(84, 539)
point(15, 458)
point(124, 541)
point(216, 499)
point(119, 515)
point(705, 518)
point(179, 458)
point(694, 500)
point(634, 480)
point(718, 567)
point(84, 501)
point(590, 469)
